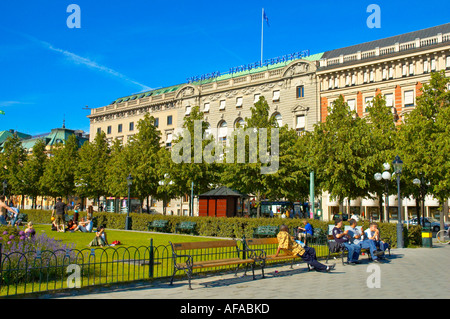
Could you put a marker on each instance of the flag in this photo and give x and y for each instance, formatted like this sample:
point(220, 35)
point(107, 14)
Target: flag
point(265, 17)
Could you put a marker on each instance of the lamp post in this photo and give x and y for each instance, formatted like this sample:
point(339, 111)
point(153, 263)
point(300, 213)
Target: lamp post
point(128, 221)
point(5, 186)
point(398, 165)
point(386, 175)
point(423, 188)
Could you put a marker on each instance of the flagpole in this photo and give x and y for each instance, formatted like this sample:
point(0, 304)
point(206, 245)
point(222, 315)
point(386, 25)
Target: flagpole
point(262, 34)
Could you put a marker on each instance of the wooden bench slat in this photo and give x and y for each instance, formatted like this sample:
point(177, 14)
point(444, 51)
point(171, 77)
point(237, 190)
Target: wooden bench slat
point(204, 244)
point(216, 263)
point(262, 241)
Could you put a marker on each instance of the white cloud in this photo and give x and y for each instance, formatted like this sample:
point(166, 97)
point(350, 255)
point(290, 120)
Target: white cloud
point(93, 65)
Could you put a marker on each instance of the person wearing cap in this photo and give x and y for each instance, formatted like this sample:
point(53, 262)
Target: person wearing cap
point(290, 247)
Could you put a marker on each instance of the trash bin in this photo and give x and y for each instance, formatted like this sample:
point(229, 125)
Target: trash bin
point(427, 237)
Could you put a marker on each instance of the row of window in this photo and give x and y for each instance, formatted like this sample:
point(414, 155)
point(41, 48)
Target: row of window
point(408, 100)
point(300, 93)
point(387, 73)
point(131, 126)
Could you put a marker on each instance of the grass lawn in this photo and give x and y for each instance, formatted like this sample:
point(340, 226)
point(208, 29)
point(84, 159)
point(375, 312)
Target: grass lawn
point(127, 238)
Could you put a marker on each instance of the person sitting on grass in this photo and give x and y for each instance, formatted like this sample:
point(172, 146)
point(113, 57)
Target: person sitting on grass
point(85, 226)
point(100, 238)
point(71, 225)
point(290, 247)
point(30, 231)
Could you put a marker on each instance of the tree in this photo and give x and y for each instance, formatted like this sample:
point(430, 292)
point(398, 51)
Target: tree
point(291, 180)
point(381, 134)
point(92, 168)
point(423, 142)
point(191, 168)
point(248, 174)
point(33, 170)
point(142, 152)
point(13, 157)
point(59, 175)
point(341, 146)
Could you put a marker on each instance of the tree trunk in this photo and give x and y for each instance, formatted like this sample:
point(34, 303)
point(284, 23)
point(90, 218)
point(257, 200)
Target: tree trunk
point(418, 210)
point(444, 213)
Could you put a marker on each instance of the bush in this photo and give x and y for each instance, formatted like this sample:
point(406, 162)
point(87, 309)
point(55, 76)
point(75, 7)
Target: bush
point(235, 227)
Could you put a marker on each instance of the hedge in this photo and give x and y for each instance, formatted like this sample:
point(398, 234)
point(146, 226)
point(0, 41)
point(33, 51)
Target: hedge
point(235, 227)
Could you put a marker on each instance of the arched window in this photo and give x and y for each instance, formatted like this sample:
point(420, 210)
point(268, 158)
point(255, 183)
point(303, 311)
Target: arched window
point(279, 119)
point(239, 123)
point(222, 131)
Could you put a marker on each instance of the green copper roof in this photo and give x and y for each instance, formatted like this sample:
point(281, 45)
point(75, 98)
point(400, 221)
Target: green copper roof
point(313, 57)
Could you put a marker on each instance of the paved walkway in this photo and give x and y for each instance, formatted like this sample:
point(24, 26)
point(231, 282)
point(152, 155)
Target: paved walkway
point(408, 273)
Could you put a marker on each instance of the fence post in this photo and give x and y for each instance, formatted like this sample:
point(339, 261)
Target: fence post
point(1, 267)
point(244, 248)
point(151, 259)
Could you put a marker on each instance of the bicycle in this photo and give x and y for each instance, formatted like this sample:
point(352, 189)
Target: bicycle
point(443, 236)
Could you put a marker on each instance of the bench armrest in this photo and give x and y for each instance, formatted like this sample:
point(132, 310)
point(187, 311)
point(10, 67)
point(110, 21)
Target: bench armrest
point(257, 254)
point(189, 260)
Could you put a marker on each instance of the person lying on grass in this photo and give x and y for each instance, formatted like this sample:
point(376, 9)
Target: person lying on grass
point(290, 247)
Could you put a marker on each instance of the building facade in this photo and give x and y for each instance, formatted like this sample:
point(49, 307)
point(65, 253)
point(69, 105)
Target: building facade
point(299, 93)
point(396, 67)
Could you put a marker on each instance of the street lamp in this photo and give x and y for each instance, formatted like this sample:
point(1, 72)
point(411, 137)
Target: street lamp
point(423, 187)
point(398, 165)
point(5, 186)
point(128, 219)
point(386, 175)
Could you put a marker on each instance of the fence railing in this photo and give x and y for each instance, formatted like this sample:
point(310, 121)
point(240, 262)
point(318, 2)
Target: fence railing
point(46, 271)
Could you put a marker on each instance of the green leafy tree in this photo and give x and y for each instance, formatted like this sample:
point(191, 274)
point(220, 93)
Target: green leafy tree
point(190, 167)
point(59, 175)
point(423, 141)
point(92, 168)
point(382, 134)
point(142, 152)
point(13, 157)
point(33, 170)
point(246, 174)
point(341, 147)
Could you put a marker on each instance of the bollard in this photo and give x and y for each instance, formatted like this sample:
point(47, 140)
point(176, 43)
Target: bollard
point(427, 237)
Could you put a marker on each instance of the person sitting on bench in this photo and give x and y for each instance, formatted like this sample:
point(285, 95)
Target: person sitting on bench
point(373, 234)
point(290, 247)
point(356, 237)
point(341, 237)
point(307, 231)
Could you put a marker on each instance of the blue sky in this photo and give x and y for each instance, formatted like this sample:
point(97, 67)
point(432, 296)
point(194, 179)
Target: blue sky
point(50, 72)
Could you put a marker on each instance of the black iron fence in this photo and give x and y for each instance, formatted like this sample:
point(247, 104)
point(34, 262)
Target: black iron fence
point(45, 271)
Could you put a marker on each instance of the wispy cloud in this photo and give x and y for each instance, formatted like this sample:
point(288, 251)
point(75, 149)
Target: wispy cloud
point(93, 65)
point(77, 59)
point(12, 103)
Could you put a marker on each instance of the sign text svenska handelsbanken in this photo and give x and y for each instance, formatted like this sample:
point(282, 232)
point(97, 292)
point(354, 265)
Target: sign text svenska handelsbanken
point(247, 67)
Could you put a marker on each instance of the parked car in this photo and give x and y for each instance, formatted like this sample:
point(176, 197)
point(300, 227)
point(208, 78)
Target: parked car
point(429, 221)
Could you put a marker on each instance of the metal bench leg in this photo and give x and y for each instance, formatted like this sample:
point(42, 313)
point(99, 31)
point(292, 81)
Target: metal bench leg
point(189, 275)
point(173, 276)
point(253, 271)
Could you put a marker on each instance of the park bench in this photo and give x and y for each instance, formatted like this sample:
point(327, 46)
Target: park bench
point(265, 231)
point(158, 224)
point(265, 249)
point(186, 227)
point(333, 247)
point(210, 254)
